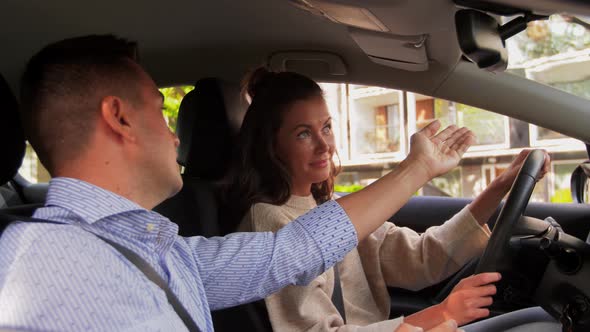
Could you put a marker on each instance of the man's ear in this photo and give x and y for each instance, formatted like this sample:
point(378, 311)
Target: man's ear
point(116, 115)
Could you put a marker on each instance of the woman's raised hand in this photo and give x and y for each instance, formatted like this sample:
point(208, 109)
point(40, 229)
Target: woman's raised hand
point(438, 153)
point(431, 154)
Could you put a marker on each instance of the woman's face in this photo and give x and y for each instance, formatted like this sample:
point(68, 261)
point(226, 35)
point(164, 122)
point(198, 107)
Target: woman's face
point(305, 143)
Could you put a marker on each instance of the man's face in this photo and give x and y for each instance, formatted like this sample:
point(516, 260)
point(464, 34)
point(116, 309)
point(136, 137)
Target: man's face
point(157, 144)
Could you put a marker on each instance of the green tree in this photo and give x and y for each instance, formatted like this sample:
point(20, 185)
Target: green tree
point(543, 39)
point(488, 127)
point(172, 98)
point(347, 188)
point(556, 35)
point(562, 196)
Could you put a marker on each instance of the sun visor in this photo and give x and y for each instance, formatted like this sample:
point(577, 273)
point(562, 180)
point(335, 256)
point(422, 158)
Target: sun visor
point(403, 52)
point(308, 62)
point(356, 16)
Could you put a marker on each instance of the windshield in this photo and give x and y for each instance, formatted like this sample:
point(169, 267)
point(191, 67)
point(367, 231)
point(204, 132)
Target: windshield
point(555, 52)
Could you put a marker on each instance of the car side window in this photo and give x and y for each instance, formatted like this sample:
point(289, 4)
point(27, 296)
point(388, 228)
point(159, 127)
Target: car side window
point(34, 172)
point(31, 169)
point(373, 126)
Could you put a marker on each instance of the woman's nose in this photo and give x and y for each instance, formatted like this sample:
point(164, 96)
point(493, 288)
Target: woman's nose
point(322, 145)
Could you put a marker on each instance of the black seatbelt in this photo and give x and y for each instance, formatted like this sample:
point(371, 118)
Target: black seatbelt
point(134, 258)
point(337, 298)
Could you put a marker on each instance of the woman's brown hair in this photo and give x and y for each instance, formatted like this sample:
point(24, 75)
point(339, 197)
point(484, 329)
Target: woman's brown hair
point(257, 174)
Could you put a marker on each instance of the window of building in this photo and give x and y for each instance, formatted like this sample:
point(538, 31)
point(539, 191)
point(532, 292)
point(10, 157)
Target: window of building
point(541, 137)
point(492, 130)
point(335, 96)
point(376, 124)
point(490, 172)
point(449, 184)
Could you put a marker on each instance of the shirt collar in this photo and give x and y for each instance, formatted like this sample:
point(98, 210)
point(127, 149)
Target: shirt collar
point(90, 202)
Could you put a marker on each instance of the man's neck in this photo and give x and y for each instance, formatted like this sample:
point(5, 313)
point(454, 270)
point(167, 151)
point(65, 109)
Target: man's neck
point(114, 178)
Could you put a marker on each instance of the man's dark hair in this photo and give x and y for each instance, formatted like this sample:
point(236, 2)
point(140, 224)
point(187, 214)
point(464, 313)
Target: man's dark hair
point(62, 88)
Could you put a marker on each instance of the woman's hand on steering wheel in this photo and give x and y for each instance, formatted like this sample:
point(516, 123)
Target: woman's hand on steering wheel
point(506, 179)
point(485, 204)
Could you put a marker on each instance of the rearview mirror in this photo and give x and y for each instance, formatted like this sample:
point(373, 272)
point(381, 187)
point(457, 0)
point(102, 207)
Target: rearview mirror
point(480, 40)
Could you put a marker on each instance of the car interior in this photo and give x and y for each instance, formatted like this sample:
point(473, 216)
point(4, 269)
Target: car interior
point(454, 50)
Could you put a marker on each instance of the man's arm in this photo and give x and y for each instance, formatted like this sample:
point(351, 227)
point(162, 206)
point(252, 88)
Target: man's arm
point(70, 280)
point(244, 267)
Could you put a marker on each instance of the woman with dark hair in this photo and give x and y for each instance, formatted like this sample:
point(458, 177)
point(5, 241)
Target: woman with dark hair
point(284, 168)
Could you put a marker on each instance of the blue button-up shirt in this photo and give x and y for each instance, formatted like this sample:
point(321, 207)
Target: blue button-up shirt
point(63, 277)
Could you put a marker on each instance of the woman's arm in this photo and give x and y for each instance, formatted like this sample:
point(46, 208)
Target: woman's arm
point(430, 155)
point(413, 261)
point(435, 254)
point(485, 204)
point(466, 303)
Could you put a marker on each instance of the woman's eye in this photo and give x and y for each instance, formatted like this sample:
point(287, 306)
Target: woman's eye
point(327, 129)
point(303, 134)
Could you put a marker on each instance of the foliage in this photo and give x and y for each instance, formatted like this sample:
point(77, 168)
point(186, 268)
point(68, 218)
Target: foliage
point(562, 196)
point(580, 89)
point(449, 183)
point(347, 188)
point(487, 126)
point(559, 34)
point(172, 98)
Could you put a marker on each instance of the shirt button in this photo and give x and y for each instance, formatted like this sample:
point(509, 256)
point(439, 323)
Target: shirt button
point(150, 227)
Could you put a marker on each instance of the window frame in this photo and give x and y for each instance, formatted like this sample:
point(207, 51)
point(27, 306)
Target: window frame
point(534, 140)
point(411, 97)
point(357, 158)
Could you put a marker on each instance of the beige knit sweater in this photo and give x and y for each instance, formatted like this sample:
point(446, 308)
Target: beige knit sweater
point(391, 256)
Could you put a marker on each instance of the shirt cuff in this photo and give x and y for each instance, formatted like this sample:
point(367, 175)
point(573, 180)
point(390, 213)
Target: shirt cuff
point(382, 326)
point(464, 236)
point(331, 229)
point(485, 228)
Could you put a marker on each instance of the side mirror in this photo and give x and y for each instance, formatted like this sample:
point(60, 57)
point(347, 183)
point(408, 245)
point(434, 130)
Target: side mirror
point(480, 39)
point(579, 183)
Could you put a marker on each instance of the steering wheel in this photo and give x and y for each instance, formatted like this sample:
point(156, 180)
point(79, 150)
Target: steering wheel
point(497, 255)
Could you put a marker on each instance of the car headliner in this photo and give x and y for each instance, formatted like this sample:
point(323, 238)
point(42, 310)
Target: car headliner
point(184, 40)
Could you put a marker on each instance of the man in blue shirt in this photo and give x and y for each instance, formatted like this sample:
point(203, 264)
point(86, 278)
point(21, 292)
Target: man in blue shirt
point(94, 117)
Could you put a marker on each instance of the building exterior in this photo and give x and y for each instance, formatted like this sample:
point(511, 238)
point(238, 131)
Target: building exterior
point(373, 125)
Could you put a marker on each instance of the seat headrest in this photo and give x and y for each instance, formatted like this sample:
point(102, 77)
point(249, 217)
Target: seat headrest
point(12, 138)
point(209, 120)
